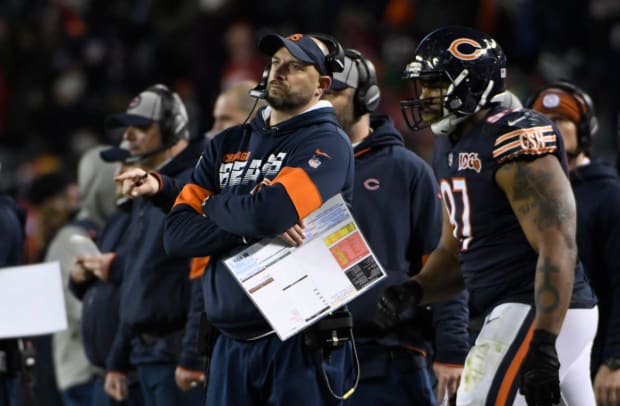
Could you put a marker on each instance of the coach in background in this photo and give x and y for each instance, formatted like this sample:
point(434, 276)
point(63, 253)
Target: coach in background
point(398, 184)
point(234, 106)
point(155, 290)
point(597, 192)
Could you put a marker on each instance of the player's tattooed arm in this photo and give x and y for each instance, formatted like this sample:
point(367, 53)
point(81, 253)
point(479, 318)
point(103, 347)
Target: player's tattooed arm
point(542, 200)
point(532, 193)
point(546, 294)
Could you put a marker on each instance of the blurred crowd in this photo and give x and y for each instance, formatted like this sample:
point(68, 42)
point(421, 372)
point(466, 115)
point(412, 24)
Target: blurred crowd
point(66, 64)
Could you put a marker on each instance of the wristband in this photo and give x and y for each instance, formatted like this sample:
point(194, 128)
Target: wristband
point(542, 337)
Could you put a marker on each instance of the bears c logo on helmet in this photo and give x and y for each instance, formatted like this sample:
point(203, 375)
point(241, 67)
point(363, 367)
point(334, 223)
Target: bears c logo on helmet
point(472, 49)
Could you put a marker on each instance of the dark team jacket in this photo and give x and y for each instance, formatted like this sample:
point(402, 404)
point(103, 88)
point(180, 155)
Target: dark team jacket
point(155, 289)
point(12, 221)
point(395, 205)
point(258, 181)
point(497, 262)
point(597, 192)
point(12, 240)
point(100, 299)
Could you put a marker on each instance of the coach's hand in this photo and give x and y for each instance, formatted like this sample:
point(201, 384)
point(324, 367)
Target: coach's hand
point(398, 302)
point(540, 371)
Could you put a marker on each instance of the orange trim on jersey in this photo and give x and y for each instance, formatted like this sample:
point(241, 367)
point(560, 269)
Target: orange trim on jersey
point(197, 267)
point(193, 196)
point(513, 369)
point(300, 188)
point(518, 132)
point(506, 147)
point(527, 152)
point(515, 144)
point(501, 150)
point(362, 151)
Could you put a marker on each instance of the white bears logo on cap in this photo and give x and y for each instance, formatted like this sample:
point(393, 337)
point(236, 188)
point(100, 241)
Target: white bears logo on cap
point(551, 101)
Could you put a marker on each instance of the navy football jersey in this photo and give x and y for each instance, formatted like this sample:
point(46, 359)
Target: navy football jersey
point(497, 262)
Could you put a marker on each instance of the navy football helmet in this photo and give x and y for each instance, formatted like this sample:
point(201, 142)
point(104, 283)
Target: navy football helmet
point(470, 64)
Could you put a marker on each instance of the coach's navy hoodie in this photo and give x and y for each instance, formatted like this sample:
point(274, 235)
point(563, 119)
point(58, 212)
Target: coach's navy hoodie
point(155, 289)
point(395, 205)
point(13, 236)
point(597, 192)
point(12, 220)
point(292, 168)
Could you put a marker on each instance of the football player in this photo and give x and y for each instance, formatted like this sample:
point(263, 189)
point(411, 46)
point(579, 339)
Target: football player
point(508, 229)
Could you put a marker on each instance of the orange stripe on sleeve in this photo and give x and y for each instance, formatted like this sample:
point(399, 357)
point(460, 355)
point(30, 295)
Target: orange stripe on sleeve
point(513, 369)
point(197, 267)
point(300, 188)
point(502, 149)
point(193, 196)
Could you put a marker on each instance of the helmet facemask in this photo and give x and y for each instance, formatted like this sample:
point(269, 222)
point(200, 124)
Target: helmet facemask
point(472, 67)
point(420, 111)
point(443, 109)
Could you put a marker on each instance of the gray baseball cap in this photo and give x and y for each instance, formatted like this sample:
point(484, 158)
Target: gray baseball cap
point(349, 77)
point(146, 108)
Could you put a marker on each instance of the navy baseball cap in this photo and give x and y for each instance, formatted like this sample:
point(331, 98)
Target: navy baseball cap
point(300, 46)
point(349, 77)
point(116, 154)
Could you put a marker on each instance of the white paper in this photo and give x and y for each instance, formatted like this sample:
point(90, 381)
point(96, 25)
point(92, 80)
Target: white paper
point(31, 300)
point(82, 245)
point(294, 287)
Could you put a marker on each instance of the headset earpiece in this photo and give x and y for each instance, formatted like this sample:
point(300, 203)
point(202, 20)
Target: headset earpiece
point(367, 95)
point(334, 60)
point(167, 121)
point(260, 91)
point(588, 124)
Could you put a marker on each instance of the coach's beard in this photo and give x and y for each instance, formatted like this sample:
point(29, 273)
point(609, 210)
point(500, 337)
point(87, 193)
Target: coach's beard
point(283, 100)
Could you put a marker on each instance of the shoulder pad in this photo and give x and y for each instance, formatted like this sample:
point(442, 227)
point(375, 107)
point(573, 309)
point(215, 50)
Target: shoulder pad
point(522, 132)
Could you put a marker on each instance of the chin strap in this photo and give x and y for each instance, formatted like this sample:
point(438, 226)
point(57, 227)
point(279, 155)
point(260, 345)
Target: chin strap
point(448, 123)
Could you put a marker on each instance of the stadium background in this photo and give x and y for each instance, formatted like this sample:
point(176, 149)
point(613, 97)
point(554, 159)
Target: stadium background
point(66, 64)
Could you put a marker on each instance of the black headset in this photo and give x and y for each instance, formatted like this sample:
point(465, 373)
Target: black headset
point(367, 95)
point(260, 90)
point(588, 123)
point(334, 62)
point(167, 122)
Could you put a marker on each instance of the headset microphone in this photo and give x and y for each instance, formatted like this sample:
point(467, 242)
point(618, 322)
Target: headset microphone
point(132, 159)
point(118, 154)
point(260, 91)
